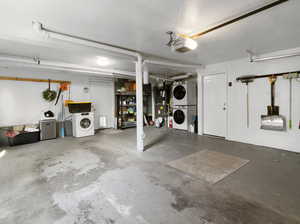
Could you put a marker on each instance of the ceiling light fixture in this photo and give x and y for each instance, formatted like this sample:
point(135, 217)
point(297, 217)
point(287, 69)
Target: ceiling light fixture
point(181, 44)
point(190, 43)
point(103, 61)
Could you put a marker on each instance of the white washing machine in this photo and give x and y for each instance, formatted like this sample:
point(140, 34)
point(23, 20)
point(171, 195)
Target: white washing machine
point(183, 117)
point(83, 124)
point(184, 93)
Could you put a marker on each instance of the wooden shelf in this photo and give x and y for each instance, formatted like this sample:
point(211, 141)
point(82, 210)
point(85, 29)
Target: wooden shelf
point(128, 105)
point(32, 80)
point(125, 93)
point(129, 94)
point(128, 124)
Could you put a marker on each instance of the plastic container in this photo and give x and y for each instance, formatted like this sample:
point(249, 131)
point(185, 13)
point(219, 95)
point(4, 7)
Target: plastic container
point(24, 138)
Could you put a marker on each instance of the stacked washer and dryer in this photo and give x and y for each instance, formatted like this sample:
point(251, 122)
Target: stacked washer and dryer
point(184, 95)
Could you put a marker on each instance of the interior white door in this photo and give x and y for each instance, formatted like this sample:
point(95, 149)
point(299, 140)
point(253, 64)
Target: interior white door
point(215, 98)
point(103, 100)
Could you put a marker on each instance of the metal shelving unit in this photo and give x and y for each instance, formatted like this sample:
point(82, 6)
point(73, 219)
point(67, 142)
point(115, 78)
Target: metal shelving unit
point(126, 110)
point(126, 103)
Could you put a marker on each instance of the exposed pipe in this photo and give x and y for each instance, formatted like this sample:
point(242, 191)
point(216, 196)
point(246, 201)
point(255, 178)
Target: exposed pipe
point(181, 77)
point(91, 43)
point(37, 26)
point(172, 64)
point(160, 78)
point(96, 70)
point(67, 69)
point(17, 59)
point(29, 62)
point(260, 59)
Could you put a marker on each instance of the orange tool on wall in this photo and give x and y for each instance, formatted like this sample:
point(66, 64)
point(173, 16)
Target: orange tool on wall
point(64, 86)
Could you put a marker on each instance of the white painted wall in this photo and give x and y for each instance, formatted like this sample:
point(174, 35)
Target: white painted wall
point(22, 102)
point(259, 99)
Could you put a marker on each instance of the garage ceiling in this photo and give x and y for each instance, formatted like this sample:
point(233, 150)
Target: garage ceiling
point(141, 25)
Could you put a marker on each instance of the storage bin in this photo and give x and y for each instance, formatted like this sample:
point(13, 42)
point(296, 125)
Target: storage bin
point(24, 138)
point(82, 107)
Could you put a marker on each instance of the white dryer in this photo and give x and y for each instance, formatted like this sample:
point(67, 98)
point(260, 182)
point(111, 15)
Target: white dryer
point(83, 124)
point(184, 93)
point(183, 117)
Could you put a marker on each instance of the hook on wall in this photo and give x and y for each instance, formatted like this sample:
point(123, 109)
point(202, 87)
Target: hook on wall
point(37, 60)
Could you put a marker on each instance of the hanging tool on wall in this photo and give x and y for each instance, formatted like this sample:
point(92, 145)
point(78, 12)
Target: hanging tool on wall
point(69, 97)
point(247, 80)
point(62, 129)
point(290, 77)
point(273, 121)
point(63, 87)
point(48, 94)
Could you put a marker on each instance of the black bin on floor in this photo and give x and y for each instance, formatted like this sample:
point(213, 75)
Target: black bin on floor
point(24, 138)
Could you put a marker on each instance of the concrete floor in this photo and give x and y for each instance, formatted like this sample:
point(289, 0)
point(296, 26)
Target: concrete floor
point(102, 179)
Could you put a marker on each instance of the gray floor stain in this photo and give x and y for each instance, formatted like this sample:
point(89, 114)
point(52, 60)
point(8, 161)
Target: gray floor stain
point(228, 208)
point(81, 160)
point(102, 179)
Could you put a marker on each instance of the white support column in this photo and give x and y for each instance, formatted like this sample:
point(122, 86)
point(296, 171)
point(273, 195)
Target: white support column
point(114, 114)
point(153, 102)
point(200, 101)
point(139, 106)
point(145, 74)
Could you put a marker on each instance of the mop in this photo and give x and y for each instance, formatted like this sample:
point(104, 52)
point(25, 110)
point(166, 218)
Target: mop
point(247, 81)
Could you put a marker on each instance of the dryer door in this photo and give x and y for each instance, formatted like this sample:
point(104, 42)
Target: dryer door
point(179, 117)
point(85, 124)
point(179, 92)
